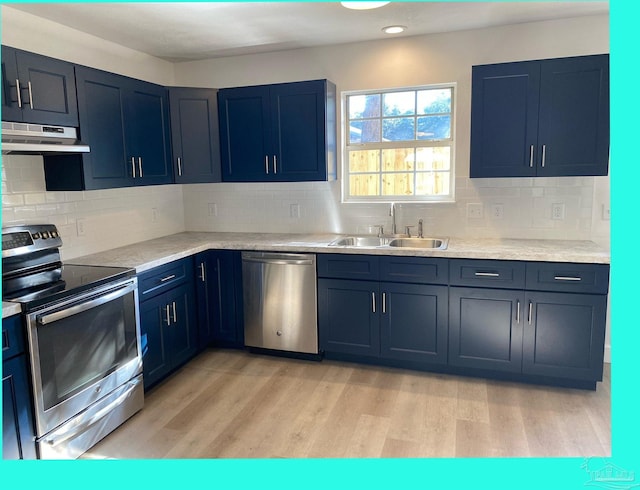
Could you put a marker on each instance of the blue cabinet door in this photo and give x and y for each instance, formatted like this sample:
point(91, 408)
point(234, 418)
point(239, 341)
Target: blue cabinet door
point(183, 326)
point(574, 116)
point(245, 134)
point(219, 290)
point(18, 435)
point(11, 105)
point(147, 133)
point(348, 319)
point(299, 121)
point(414, 322)
point(156, 347)
point(101, 106)
point(485, 328)
point(195, 135)
point(504, 119)
point(564, 335)
point(46, 93)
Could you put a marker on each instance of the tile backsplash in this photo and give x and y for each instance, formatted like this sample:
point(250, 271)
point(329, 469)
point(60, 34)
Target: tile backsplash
point(509, 208)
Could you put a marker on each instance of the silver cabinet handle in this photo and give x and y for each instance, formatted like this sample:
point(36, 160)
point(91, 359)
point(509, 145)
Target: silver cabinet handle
point(487, 274)
point(544, 154)
point(384, 302)
point(202, 272)
point(531, 156)
point(179, 166)
point(175, 317)
point(133, 166)
point(567, 278)
point(266, 164)
point(275, 165)
point(140, 165)
point(19, 95)
point(166, 310)
point(373, 301)
point(518, 311)
point(30, 95)
point(165, 279)
point(530, 311)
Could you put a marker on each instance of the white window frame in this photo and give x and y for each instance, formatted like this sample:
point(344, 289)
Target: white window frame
point(346, 147)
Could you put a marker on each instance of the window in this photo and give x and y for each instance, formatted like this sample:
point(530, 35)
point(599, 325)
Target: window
point(399, 144)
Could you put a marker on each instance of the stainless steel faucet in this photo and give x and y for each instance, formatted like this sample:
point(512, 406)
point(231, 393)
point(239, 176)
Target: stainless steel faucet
point(420, 235)
point(392, 213)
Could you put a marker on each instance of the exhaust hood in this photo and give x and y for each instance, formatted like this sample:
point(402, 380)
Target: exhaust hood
point(24, 138)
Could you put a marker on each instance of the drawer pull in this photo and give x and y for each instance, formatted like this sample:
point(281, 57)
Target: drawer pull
point(165, 279)
point(518, 312)
point(373, 301)
point(166, 310)
point(487, 274)
point(384, 302)
point(530, 312)
point(567, 278)
point(175, 317)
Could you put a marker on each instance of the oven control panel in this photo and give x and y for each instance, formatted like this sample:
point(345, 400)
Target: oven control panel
point(23, 239)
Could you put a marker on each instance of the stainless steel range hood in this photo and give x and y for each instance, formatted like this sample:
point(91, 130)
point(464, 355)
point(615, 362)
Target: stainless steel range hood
point(38, 139)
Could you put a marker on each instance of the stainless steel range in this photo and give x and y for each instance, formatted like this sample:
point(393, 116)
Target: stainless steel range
point(83, 331)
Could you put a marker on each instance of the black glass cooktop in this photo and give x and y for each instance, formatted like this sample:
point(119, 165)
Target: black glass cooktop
point(73, 279)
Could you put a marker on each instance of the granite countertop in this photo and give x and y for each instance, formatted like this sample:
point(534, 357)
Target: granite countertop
point(152, 253)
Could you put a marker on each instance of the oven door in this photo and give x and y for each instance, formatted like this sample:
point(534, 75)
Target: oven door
point(82, 349)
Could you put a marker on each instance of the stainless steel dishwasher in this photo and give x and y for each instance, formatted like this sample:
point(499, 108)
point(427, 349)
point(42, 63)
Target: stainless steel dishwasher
point(280, 302)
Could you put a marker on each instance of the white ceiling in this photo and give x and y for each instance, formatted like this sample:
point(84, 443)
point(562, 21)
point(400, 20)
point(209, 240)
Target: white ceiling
point(189, 31)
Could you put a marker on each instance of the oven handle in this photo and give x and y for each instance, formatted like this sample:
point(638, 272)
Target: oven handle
point(93, 303)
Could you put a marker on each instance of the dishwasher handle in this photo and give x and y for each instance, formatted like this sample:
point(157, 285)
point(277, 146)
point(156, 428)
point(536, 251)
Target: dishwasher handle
point(279, 259)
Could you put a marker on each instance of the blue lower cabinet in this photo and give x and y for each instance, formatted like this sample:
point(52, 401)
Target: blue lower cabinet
point(406, 322)
point(485, 328)
point(169, 332)
point(564, 335)
point(18, 434)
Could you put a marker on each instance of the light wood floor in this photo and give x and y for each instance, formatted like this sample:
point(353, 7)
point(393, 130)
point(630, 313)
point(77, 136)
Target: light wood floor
point(232, 404)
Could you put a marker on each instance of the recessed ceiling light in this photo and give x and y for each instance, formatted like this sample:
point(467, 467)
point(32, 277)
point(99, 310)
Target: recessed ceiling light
point(394, 29)
point(363, 5)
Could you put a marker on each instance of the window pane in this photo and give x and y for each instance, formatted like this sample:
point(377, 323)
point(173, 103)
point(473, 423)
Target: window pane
point(363, 106)
point(398, 159)
point(434, 101)
point(364, 161)
point(397, 184)
point(364, 131)
point(398, 129)
point(434, 127)
point(400, 103)
point(432, 183)
point(438, 158)
point(364, 185)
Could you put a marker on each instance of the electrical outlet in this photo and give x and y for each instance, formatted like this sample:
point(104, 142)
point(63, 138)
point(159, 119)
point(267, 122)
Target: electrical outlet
point(294, 211)
point(606, 212)
point(474, 210)
point(80, 226)
point(497, 211)
point(557, 210)
point(154, 215)
point(213, 209)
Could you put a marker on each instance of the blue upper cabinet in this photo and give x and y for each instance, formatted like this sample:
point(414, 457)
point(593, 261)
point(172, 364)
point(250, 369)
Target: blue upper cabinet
point(541, 118)
point(281, 133)
point(126, 124)
point(195, 135)
point(37, 89)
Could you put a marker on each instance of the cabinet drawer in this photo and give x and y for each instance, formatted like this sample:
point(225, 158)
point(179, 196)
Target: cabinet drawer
point(344, 266)
point(164, 277)
point(421, 270)
point(12, 337)
point(568, 277)
point(487, 273)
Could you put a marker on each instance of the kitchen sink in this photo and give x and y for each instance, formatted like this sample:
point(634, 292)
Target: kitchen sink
point(405, 242)
point(432, 243)
point(360, 241)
